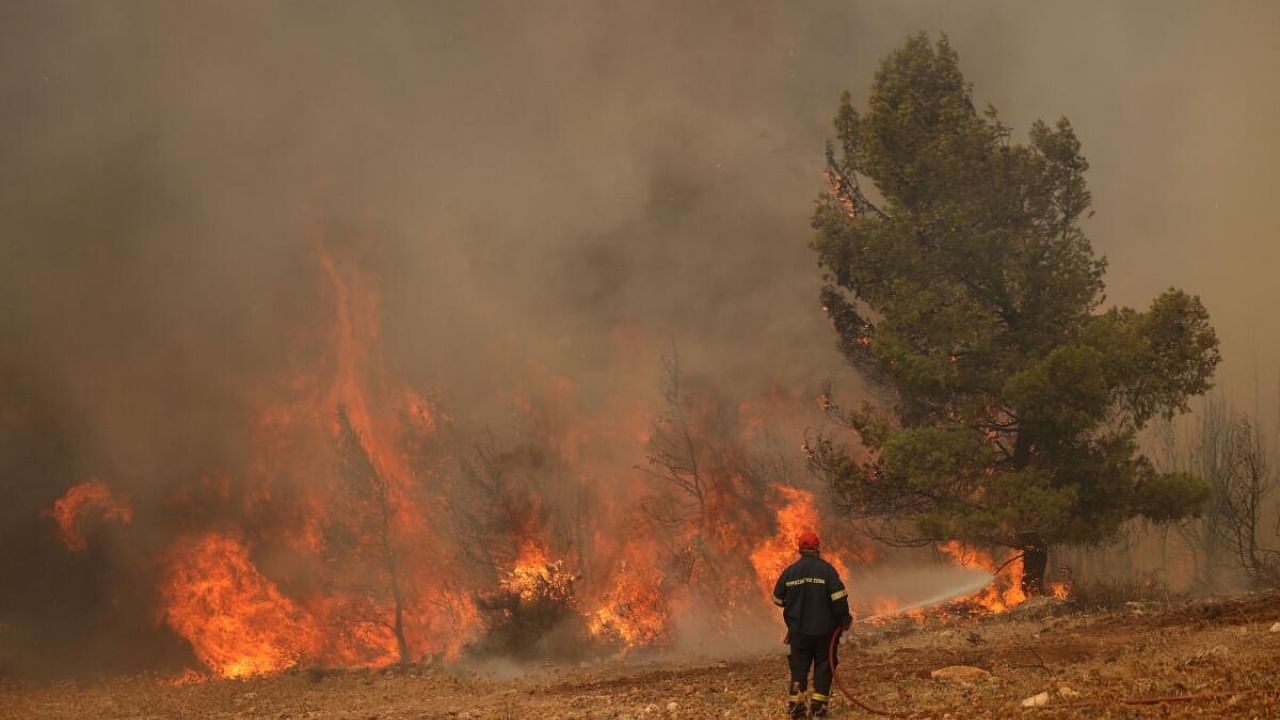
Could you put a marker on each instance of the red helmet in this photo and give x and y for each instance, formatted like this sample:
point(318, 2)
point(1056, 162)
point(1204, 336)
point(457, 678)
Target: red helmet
point(809, 541)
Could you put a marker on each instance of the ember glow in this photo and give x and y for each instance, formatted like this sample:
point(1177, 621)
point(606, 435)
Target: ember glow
point(84, 503)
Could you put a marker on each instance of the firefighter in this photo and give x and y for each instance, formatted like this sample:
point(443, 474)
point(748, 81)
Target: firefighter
point(814, 603)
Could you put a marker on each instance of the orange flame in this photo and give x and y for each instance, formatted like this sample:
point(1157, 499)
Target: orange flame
point(634, 609)
point(238, 622)
point(1005, 592)
point(1060, 590)
point(334, 489)
point(535, 578)
point(72, 510)
point(797, 515)
point(348, 504)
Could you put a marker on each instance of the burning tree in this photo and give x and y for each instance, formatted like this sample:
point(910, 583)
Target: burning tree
point(372, 511)
point(717, 480)
point(964, 289)
point(703, 483)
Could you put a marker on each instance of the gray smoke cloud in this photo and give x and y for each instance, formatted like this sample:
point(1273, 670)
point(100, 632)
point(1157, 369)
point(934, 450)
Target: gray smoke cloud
point(525, 179)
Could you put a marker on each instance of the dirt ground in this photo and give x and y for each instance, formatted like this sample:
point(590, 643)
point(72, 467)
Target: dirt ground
point(1219, 653)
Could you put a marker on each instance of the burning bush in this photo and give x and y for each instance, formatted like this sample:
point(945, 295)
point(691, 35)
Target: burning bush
point(237, 621)
point(635, 611)
point(535, 599)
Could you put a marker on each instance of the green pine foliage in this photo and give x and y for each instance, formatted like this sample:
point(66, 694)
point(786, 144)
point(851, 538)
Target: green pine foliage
point(961, 284)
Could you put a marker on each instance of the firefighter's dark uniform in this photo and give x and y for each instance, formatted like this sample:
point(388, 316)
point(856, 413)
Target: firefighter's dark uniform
point(814, 602)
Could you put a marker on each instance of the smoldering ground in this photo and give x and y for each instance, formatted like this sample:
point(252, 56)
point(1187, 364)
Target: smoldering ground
point(527, 181)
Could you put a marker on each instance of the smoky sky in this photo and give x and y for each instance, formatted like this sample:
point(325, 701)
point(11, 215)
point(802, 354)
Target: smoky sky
point(528, 180)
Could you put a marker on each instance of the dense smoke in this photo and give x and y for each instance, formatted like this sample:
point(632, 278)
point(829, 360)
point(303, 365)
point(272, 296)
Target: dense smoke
point(540, 190)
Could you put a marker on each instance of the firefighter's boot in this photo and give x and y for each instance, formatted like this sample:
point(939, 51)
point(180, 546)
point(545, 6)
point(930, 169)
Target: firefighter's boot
point(818, 708)
point(795, 702)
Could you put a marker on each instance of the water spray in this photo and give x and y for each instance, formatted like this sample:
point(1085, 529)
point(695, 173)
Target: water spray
point(940, 599)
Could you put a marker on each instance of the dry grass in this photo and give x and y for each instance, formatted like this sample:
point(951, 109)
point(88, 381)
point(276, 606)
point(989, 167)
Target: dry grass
point(1220, 651)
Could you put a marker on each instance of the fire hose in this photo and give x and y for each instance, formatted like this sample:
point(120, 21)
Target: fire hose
point(835, 640)
point(835, 677)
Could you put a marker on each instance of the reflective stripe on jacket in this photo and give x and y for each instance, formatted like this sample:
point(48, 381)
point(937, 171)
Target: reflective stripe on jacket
point(812, 597)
